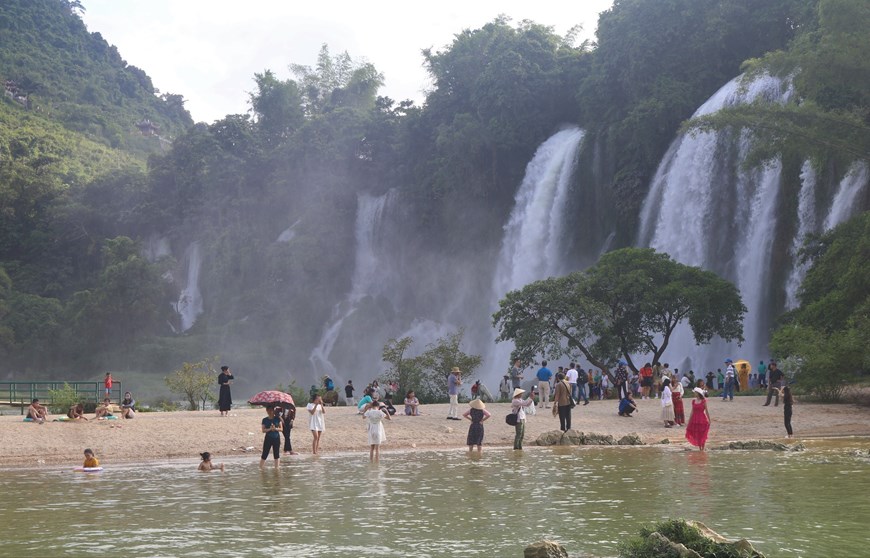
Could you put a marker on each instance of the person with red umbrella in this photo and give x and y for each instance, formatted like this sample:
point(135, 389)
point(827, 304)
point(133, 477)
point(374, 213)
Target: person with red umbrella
point(272, 428)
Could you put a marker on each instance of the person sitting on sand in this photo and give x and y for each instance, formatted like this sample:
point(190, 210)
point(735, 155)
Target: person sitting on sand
point(128, 406)
point(91, 462)
point(412, 404)
point(77, 412)
point(37, 412)
point(103, 410)
point(207, 465)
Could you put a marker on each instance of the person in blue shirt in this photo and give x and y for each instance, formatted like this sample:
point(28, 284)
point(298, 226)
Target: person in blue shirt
point(544, 376)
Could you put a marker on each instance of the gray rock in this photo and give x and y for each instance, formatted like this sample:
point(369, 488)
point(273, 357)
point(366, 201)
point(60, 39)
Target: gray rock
point(599, 440)
point(545, 549)
point(664, 441)
point(665, 547)
point(549, 438)
point(742, 546)
point(573, 438)
point(630, 440)
point(759, 445)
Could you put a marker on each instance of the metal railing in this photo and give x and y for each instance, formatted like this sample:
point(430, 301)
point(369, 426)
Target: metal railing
point(20, 394)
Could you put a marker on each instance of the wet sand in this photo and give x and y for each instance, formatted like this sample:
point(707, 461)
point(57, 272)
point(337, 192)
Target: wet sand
point(159, 437)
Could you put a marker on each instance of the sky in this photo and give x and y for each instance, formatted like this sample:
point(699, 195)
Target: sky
point(209, 50)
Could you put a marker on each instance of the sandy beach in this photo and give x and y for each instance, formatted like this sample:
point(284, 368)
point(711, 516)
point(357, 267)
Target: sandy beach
point(158, 437)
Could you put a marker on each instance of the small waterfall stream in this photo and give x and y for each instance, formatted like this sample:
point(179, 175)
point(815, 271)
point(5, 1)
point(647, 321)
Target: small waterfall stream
point(189, 305)
point(365, 281)
point(532, 245)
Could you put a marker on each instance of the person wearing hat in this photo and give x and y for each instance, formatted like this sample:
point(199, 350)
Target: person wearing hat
point(728, 392)
point(518, 406)
point(453, 383)
point(699, 421)
point(476, 414)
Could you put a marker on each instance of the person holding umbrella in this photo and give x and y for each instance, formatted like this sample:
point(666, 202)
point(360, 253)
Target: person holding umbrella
point(272, 428)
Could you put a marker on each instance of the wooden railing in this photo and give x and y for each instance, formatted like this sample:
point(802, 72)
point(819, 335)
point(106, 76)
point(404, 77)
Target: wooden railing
point(20, 394)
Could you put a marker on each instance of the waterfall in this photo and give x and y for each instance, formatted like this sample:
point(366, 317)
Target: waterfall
point(532, 245)
point(705, 210)
point(365, 280)
point(806, 225)
point(189, 305)
point(844, 201)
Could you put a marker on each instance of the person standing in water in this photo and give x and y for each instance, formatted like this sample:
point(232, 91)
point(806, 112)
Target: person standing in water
point(272, 428)
point(477, 414)
point(374, 418)
point(699, 421)
point(787, 402)
point(225, 398)
point(518, 407)
point(316, 421)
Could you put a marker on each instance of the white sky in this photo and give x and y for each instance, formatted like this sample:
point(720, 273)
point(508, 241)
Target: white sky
point(209, 50)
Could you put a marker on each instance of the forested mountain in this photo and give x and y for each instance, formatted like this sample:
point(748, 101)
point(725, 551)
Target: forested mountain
point(251, 236)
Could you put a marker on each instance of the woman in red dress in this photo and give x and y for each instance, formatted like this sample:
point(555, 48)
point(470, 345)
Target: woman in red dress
point(699, 420)
point(677, 398)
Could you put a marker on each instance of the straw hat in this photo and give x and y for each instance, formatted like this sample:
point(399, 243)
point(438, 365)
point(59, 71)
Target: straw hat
point(455, 369)
point(700, 391)
point(477, 404)
point(518, 391)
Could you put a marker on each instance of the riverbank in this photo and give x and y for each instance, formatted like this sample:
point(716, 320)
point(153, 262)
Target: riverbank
point(184, 434)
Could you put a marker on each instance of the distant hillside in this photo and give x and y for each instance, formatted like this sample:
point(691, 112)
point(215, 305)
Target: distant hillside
point(51, 65)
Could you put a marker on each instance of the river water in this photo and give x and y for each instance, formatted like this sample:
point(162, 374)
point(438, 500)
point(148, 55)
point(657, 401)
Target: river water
point(443, 503)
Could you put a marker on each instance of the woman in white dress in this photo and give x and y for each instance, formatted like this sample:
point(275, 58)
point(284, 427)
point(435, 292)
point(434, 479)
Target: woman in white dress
point(316, 422)
point(374, 418)
point(667, 403)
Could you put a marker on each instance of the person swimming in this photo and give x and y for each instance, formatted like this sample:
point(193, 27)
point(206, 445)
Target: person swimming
point(206, 464)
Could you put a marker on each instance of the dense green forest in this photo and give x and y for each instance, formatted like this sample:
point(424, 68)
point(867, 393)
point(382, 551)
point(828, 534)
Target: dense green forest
point(79, 292)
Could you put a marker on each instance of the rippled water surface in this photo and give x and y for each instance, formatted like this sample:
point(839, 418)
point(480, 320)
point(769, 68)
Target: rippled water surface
point(812, 503)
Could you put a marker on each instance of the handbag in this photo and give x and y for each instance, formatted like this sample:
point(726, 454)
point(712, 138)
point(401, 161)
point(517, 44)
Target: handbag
point(571, 402)
point(511, 419)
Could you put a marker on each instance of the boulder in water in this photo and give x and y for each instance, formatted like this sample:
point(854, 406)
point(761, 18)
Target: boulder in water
point(549, 438)
point(545, 549)
point(678, 538)
point(760, 445)
point(599, 440)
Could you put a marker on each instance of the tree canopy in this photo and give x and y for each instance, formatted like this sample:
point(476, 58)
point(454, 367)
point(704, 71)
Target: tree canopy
point(630, 302)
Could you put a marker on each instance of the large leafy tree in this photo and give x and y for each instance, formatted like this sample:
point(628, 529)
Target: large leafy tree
point(647, 295)
point(828, 334)
point(631, 301)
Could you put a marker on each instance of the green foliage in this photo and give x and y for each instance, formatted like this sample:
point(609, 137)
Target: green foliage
point(195, 381)
point(76, 78)
point(427, 373)
point(648, 294)
point(828, 334)
point(62, 399)
point(677, 531)
point(830, 115)
point(300, 396)
point(630, 301)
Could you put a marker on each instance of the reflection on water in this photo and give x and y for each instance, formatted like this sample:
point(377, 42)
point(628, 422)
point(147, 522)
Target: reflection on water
point(442, 503)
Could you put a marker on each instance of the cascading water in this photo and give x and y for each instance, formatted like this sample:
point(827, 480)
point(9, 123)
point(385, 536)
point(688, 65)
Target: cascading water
point(842, 208)
point(705, 210)
point(189, 305)
point(806, 225)
point(366, 279)
point(843, 205)
point(532, 245)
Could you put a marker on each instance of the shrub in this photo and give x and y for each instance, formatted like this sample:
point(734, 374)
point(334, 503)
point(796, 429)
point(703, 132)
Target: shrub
point(62, 399)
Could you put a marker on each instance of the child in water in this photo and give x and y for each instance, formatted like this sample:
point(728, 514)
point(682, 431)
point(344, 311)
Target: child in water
point(207, 465)
point(90, 460)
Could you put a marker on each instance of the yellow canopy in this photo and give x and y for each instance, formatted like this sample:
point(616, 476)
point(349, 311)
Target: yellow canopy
point(739, 364)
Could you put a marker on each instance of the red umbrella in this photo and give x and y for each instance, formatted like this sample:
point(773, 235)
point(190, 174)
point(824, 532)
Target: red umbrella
point(272, 398)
